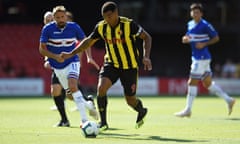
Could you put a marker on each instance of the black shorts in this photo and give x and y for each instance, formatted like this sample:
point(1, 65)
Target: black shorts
point(54, 78)
point(128, 78)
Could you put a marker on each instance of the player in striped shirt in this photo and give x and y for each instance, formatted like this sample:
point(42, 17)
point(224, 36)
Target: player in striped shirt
point(121, 60)
point(201, 34)
point(57, 91)
point(61, 36)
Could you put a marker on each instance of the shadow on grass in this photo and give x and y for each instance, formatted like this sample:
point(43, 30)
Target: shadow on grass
point(173, 139)
point(145, 137)
point(74, 127)
point(110, 129)
point(233, 119)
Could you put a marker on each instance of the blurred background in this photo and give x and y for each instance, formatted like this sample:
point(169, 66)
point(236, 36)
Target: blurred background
point(21, 22)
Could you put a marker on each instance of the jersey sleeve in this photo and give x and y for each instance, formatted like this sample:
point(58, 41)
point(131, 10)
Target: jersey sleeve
point(187, 31)
point(136, 29)
point(211, 31)
point(80, 33)
point(95, 34)
point(44, 35)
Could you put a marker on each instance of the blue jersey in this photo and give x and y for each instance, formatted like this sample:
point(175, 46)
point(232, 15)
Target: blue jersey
point(61, 40)
point(200, 32)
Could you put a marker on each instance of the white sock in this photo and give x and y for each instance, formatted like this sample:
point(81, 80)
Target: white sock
point(192, 92)
point(78, 98)
point(88, 104)
point(213, 88)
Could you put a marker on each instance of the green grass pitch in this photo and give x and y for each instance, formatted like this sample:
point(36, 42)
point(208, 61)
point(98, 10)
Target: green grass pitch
point(30, 121)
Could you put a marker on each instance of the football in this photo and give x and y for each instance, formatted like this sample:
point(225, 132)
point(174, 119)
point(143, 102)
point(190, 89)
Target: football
point(90, 129)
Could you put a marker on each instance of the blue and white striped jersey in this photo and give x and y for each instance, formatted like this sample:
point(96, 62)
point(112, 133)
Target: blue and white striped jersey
point(200, 32)
point(61, 40)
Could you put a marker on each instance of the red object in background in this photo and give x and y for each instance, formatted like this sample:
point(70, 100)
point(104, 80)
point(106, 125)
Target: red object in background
point(19, 44)
point(177, 86)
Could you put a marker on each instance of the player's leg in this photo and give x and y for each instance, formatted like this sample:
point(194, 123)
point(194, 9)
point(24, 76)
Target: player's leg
point(85, 96)
point(196, 74)
point(215, 89)
point(63, 95)
point(191, 94)
point(129, 82)
point(56, 92)
point(104, 84)
point(78, 99)
point(68, 79)
point(73, 71)
point(89, 103)
point(84, 92)
point(137, 105)
point(90, 99)
point(81, 103)
point(107, 77)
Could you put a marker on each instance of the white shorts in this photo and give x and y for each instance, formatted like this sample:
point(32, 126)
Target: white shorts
point(200, 69)
point(70, 71)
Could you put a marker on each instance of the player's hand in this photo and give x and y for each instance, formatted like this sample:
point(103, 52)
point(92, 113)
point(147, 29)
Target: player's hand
point(147, 64)
point(185, 39)
point(47, 65)
point(59, 59)
point(93, 62)
point(65, 55)
point(200, 45)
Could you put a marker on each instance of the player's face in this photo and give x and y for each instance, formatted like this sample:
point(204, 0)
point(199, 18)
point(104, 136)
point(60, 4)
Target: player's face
point(111, 17)
point(61, 19)
point(48, 19)
point(196, 14)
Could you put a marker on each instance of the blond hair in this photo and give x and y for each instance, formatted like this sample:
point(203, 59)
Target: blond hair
point(59, 8)
point(48, 17)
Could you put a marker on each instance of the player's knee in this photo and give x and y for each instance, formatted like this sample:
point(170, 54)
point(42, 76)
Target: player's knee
point(56, 92)
point(101, 90)
point(207, 84)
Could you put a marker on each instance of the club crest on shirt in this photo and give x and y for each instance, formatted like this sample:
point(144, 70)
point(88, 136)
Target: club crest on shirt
point(120, 32)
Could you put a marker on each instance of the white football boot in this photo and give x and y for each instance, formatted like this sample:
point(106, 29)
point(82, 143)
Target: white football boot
point(230, 105)
point(183, 113)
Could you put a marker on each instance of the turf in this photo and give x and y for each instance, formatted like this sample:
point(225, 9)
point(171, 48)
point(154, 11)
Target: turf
point(29, 121)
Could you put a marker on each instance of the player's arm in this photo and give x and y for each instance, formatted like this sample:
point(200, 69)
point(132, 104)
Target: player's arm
point(138, 31)
point(147, 44)
point(90, 58)
point(46, 63)
point(213, 40)
point(214, 37)
point(84, 44)
point(44, 52)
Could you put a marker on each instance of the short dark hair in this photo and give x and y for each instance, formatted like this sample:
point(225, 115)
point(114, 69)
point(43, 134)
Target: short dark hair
point(196, 6)
point(109, 6)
